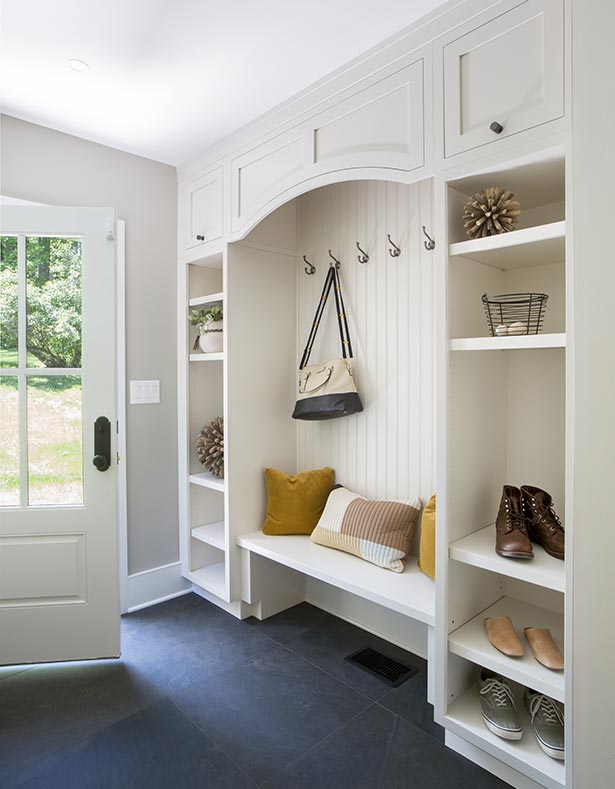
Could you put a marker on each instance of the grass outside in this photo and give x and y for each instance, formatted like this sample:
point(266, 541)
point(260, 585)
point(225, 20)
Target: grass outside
point(55, 460)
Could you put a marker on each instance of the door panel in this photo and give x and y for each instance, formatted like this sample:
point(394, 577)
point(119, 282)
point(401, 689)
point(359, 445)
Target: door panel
point(381, 126)
point(508, 71)
point(58, 523)
point(202, 210)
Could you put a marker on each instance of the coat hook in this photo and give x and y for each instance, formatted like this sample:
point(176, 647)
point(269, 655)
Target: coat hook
point(336, 262)
point(396, 251)
point(363, 257)
point(430, 243)
point(309, 269)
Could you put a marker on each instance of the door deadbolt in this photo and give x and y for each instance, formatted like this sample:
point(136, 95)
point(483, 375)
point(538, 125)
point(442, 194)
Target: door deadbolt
point(102, 443)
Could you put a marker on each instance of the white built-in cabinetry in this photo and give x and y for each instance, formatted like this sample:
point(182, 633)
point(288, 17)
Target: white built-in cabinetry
point(503, 421)
point(417, 111)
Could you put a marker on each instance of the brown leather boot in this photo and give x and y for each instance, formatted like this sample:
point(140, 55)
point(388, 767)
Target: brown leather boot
point(511, 537)
point(543, 525)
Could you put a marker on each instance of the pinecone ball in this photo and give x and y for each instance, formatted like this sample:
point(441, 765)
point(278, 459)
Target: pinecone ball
point(491, 212)
point(210, 447)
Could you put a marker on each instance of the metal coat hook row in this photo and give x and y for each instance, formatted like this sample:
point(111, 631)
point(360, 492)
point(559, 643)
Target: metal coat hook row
point(362, 257)
point(335, 262)
point(430, 243)
point(309, 269)
point(396, 251)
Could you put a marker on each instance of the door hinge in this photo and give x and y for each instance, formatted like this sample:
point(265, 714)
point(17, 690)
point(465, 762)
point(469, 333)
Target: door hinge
point(117, 458)
point(110, 229)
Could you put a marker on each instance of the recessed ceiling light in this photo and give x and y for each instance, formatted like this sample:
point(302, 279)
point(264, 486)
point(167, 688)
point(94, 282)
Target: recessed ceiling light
point(77, 65)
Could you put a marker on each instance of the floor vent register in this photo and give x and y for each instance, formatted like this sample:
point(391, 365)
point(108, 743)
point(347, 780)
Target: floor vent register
point(390, 671)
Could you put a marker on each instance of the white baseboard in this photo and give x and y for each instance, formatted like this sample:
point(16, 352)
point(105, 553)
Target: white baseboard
point(155, 586)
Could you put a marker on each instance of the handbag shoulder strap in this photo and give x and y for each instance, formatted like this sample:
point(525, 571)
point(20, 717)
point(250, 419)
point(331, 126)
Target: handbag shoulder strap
point(332, 279)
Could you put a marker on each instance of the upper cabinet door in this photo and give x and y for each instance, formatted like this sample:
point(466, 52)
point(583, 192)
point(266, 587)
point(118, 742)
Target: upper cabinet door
point(201, 210)
point(505, 76)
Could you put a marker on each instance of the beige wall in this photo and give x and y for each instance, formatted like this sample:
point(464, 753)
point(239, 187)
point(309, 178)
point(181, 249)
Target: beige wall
point(46, 166)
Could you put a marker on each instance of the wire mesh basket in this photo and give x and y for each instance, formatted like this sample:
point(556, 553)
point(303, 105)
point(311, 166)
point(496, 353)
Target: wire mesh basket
point(515, 313)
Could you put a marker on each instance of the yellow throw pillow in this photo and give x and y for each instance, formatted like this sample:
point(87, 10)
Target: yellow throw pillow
point(295, 502)
point(427, 548)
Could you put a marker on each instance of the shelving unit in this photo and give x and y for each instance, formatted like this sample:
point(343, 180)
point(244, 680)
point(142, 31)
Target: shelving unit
point(504, 423)
point(464, 719)
point(470, 641)
point(533, 246)
point(201, 301)
point(519, 343)
point(206, 357)
point(203, 543)
point(211, 578)
point(211, 534)
point(478, 550)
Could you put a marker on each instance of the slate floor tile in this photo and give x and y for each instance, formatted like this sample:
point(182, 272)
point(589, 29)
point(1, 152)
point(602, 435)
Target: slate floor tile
point(327, 645)
point(378, 750)
point(409, 701)
point(176, 607)
point(290, 623)
point(156, 748)
point(189, 646)
point(269, 710)
point(49, 707)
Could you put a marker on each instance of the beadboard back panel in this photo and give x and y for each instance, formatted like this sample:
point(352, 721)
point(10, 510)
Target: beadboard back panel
point(387, 451)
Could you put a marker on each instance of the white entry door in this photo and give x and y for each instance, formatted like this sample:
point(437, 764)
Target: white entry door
point(59, 595)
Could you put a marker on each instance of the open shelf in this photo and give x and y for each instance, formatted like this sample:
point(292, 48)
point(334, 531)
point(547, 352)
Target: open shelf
point(464, 719)
point(206, 357)
point(518, 342)
point(200, 301)
point(534, 246)
point(478, 549)
point(212, 578)
point(207, 480)
point(411, 593)
point(211, 533)
point(470, 641)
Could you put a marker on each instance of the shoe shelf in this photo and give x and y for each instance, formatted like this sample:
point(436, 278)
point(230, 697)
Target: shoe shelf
point(519, 342)
point(211, 533)
point(525, 755)
point(207, 480)
point(533, 246)
point(470, 642)
point(201, 301)
point(478, 550)
point(211, 578)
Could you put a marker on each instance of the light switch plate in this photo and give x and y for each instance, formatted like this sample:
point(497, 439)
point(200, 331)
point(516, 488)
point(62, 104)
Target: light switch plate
point(144, 392)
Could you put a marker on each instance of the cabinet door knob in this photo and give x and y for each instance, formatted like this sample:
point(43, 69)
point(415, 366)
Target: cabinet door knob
point(200, 238)
point(496, 127)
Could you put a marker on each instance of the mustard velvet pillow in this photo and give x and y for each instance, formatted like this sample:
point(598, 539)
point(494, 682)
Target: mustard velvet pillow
point(295, 502)
point(427, 547)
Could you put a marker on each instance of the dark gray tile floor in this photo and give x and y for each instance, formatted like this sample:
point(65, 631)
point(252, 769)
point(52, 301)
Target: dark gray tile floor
point(199, 699)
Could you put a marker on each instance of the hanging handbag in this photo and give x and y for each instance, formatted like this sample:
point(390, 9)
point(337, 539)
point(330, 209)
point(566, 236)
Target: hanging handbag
point(328, 390)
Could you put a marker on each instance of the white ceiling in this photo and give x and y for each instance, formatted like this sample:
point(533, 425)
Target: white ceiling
point(169, 77)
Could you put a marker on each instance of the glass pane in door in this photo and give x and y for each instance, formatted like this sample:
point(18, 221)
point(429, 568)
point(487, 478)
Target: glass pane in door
point(9, 441)
point(53, 296)
point(55, 439)
point(8, 301)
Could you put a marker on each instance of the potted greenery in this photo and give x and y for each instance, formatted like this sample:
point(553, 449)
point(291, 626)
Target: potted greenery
point(209, 324)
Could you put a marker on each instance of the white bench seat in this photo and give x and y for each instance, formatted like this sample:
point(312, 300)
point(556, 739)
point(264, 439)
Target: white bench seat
point(410, 593)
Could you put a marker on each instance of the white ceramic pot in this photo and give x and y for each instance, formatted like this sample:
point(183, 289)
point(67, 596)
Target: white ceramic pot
point(211, 337)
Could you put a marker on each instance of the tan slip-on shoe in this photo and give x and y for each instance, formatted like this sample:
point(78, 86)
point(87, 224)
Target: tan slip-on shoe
point(544, 647)
point(501, 633)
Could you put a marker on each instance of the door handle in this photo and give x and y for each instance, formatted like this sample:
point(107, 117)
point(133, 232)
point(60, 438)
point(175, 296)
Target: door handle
point(102, 443)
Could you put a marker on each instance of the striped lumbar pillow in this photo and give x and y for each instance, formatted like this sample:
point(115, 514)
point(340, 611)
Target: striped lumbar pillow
point(378, 531)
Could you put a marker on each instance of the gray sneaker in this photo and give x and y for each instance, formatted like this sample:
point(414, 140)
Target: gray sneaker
point(498, 706)
point(548, 722)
